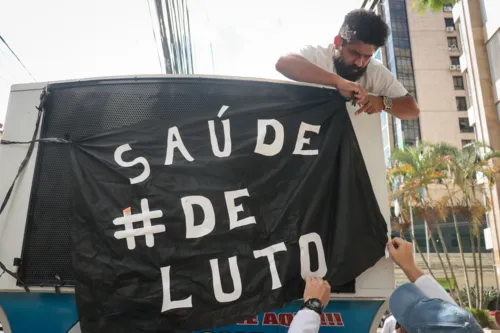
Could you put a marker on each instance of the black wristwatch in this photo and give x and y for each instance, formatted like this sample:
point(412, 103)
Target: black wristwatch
point(313, 304)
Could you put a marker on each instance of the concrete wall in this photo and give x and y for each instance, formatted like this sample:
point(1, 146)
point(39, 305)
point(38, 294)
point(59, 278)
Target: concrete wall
point(468, 15)
point(489, 278)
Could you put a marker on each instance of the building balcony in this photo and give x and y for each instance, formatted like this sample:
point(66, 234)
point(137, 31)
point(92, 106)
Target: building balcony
point(463, 62)
point(457, 12)
point(447, 8)
point(471, 115)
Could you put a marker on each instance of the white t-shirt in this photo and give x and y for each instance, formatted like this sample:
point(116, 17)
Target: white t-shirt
point(377, 80)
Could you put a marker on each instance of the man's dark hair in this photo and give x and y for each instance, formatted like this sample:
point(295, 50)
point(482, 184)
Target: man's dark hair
point(364, 26)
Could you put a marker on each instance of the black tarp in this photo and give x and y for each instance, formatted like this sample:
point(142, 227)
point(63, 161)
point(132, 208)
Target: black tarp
point(282, 198)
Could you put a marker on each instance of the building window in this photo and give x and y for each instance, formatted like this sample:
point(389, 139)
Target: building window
point(461, 103)
point(453, 43)
point(463, 123)
point(458, 82)
point(466, 142)
point(449, 22)
point(455, 61)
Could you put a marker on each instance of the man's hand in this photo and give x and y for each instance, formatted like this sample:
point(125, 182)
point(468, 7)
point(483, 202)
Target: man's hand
point(317, 288)
point(401, 253)
point(351, 90)
point(371, 104)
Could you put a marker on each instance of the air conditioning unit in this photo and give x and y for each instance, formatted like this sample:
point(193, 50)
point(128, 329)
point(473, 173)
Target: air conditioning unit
point(447, 9)
point(450, 29)
point(453, 67)
point(453, 48)
point(458, 67)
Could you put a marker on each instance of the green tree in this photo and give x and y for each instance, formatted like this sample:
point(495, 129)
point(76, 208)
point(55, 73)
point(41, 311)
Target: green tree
point(469, 168)
point(433, 5)
point(418, 167)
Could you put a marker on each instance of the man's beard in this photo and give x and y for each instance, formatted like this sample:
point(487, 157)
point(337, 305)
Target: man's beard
point(346, 71)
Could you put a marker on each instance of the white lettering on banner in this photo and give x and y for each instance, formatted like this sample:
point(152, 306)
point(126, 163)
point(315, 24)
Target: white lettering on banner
point(220, 295)
point(269, 253)
point(208, 224)
point(269, 149)
point(233, 209)
point(302, 140)
point(227, 135)
point(174, 140)
point(305, 258)
point(199, 229)
point(139, 160)
point(168, 304)
point(146, 230)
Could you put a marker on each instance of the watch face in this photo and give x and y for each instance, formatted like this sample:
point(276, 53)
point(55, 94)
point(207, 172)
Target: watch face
point(388, 102)
point(316, 303)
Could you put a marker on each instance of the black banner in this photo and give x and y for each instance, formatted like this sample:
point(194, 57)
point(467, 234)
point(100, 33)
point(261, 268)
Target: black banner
point(197, 203)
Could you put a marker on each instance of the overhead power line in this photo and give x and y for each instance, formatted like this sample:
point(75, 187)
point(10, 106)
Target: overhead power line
point(15, 55)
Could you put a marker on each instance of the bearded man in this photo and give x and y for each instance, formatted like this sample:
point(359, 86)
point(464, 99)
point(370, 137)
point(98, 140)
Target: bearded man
point(348, 65)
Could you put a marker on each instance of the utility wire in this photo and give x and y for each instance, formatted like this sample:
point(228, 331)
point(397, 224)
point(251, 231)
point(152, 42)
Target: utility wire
point(154, 34)
point(15, 55)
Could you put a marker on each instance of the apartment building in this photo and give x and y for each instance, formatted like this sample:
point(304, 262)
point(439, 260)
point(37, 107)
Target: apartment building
point(450, 61)
point(423, 51)
point(479, 31)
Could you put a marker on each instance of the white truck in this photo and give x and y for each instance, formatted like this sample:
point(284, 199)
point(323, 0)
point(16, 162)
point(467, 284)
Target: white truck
point(51, 308)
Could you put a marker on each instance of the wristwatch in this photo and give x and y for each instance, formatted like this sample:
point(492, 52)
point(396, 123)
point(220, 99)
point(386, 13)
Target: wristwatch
point(387, 103)
point(313, 304)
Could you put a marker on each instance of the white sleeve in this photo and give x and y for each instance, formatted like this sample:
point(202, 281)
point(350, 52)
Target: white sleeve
point(387, 84)
point(310, 53)
point(389, 325)
point(432, 289)
point(305, 321)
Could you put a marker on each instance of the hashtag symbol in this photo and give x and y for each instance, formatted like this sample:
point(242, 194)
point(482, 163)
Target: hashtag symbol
point(128, 219)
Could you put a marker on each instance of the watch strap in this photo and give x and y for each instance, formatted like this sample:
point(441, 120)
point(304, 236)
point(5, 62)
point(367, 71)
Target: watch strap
point(313, 304)
point(387, 103)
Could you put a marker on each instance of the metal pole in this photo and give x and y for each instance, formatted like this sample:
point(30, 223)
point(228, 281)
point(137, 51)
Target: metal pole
point(427, 243)
point(413, 232)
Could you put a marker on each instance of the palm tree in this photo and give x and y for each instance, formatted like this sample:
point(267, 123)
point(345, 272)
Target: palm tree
point(419, 167)
point(433, 5)
point(447, 152)
point(467, 166)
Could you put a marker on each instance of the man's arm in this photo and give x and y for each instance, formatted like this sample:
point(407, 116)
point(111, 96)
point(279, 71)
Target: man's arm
point(401, 252)
point(307, 320)
point(405, 108)
point(298, 68)
point(385, 84)
point(303, 69)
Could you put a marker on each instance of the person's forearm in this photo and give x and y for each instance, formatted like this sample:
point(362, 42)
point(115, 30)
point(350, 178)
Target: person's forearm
point(298, 68)
point(412, 272)
point(405, 108)
point(305, 321)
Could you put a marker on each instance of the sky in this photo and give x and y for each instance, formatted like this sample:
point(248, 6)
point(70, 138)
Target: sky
point(72, 39)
